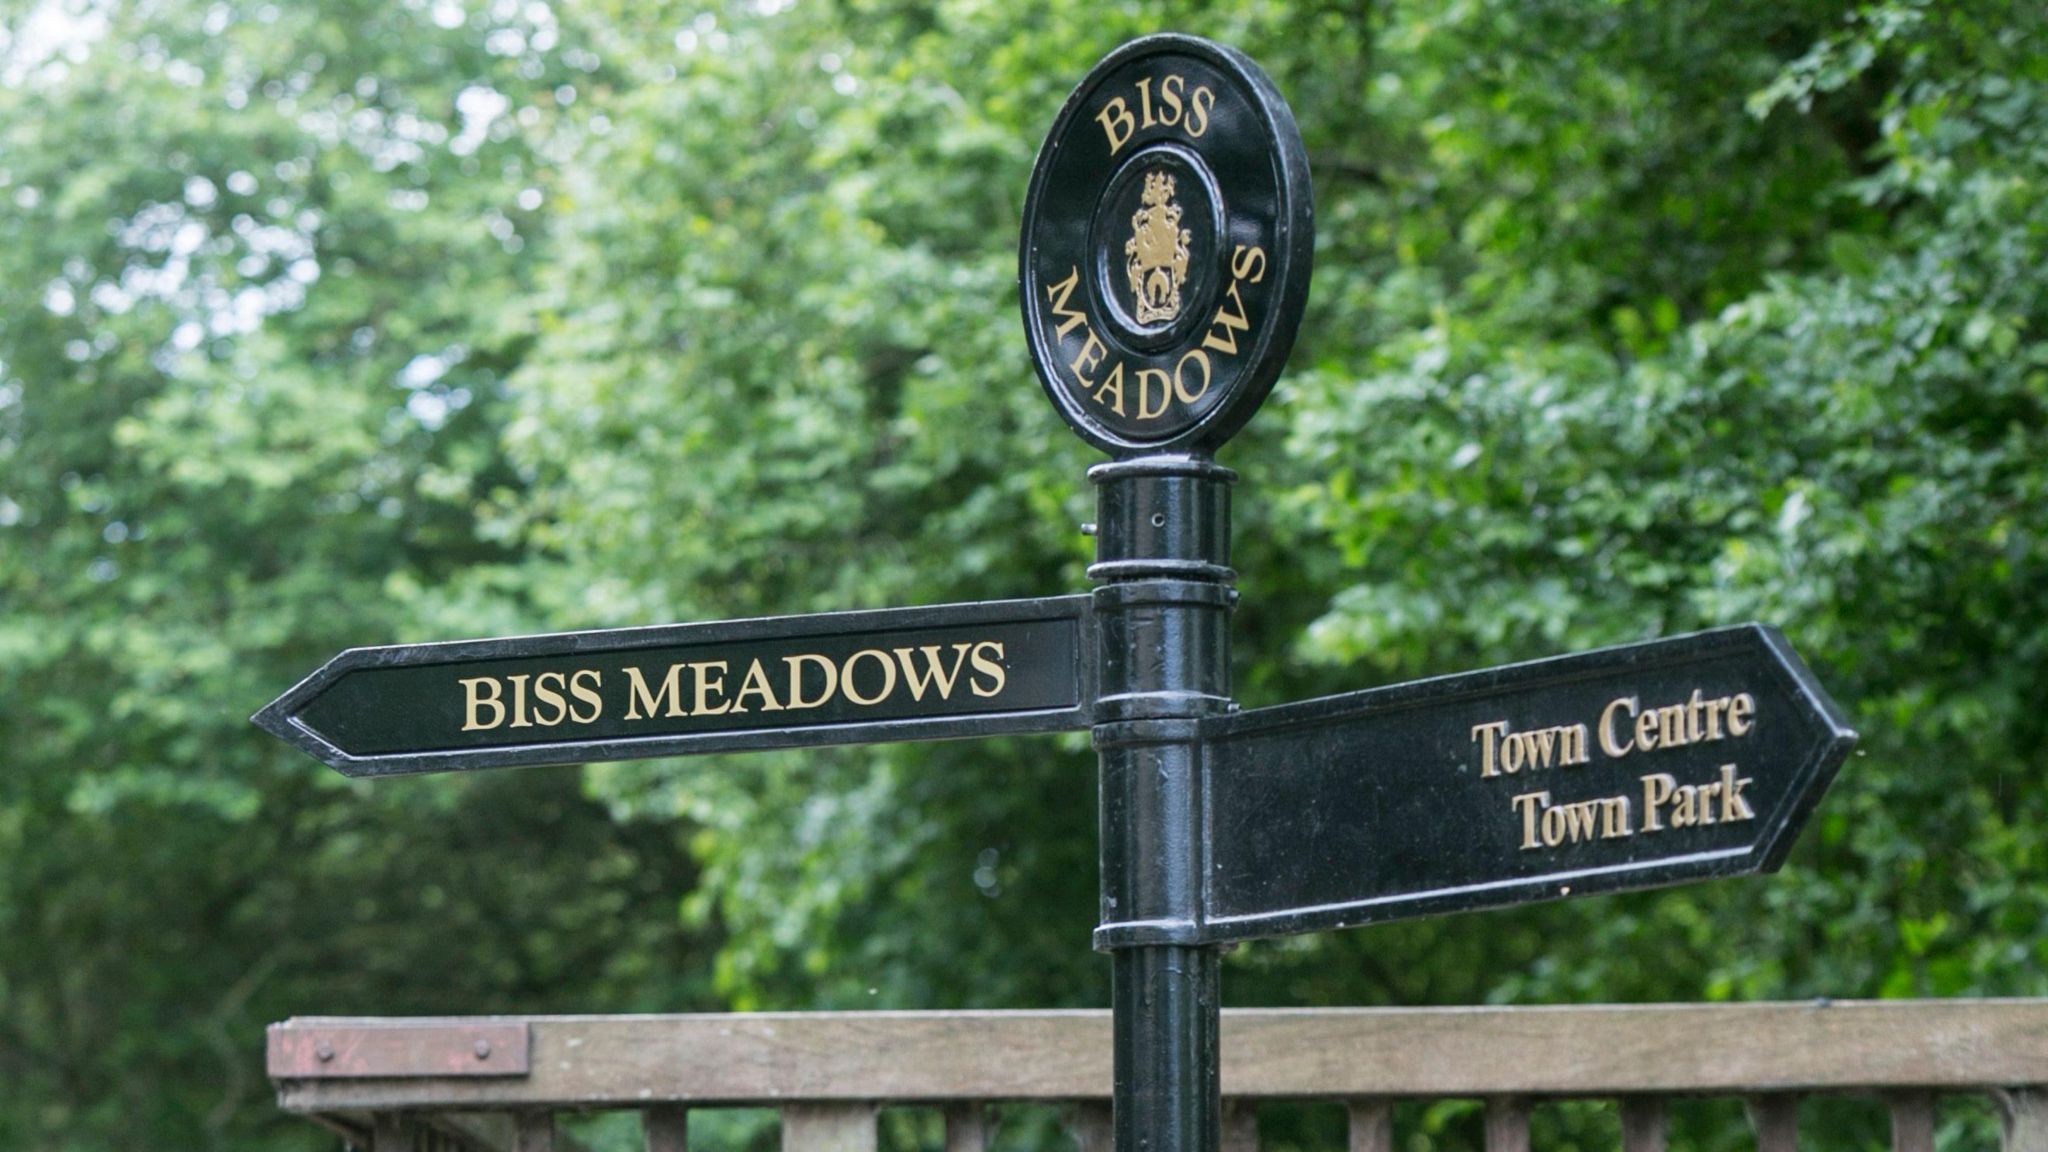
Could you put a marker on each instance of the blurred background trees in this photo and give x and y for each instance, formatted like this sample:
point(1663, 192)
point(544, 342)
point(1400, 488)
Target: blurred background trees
point(375, 321)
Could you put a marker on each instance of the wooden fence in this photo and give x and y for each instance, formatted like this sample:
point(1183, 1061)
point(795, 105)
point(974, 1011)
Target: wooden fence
point(425, 1085)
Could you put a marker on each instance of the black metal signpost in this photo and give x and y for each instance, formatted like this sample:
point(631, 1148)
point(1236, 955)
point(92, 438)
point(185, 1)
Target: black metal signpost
point(790, 681)
point(1165, 261)
point(1630, 767)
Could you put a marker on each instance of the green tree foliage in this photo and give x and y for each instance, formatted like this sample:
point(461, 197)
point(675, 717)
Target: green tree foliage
point(259, 270)
point(370, 322)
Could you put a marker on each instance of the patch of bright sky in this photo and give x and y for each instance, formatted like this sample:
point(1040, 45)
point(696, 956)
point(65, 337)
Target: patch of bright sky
point(55, 35)
point(41, 47)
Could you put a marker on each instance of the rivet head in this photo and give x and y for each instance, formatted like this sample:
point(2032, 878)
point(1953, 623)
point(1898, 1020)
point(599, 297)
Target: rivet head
point(324, 1051)
point(483, 1049)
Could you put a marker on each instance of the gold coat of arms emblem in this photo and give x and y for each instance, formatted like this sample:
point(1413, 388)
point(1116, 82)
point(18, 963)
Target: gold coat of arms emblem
point(1157, 252)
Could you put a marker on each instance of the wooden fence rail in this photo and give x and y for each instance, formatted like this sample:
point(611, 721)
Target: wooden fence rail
point(422, 1085)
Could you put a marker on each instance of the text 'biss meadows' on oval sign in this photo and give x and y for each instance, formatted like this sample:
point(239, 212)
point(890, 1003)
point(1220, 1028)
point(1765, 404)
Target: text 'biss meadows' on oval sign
point(1167, 242)
point(835, 678)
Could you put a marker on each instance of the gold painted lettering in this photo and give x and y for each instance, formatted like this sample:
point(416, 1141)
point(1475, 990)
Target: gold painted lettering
point(989, 667)
point(935, 671)
point(1530, 805)
point(711, 680)
point(1733, 807)
point(1202, 101)
point(1607, 742)
point(756, 683)
point(1248, 263)
point(1614, 823)
point(1572, 745)
point(1502, 750)
point(1487, 737)
point(1695, 720)
point(1511, 753)
point(1581, 819)
point(1646, 730)
point(1740, 710)
point(474, 698)
point(1169, 95)
point(846, 681)
point(1671, 726)
point(1057, 294)
point(519, 718)
point(1224, 328)
point(1657, 789)
point(1548, 825)
point(1112, 387)
point(1180, 387)
point(1707, 794)
point(1118, 124)
point(1687, 813)
point(1089, 357)
point(547, 696)
point(586, 695)
point(796, 663)
point(1145, 103)
point(639, 698)
point(1147, 384)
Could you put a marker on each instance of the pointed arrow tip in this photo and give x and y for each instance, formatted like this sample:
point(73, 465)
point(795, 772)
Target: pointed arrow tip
point(272, 718)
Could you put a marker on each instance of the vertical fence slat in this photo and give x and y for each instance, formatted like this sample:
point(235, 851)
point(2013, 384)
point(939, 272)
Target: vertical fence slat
point(665, 1129)
point(1372, 1125)
point(464, 1132)
point(533, 1132)
point(1912, 1122)
point(2026, 1118)
point(391, 1132)
point(1240, 1126)
point(1507, 1124)
point(1644, 1124)
point(1776, 1121)
point(1092, 1126)
point(966, 1128)
point(828, 1128)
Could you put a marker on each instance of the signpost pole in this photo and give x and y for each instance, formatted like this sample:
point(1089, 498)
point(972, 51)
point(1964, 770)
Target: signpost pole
point(1163, 612)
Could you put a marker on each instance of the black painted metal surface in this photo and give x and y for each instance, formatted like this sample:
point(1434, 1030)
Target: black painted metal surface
point(1535, 781)
point(1163, 616)
point(928, 673)
point(1168, 236)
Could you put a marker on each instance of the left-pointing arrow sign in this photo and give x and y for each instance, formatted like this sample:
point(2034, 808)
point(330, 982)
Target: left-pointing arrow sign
point(839, 678)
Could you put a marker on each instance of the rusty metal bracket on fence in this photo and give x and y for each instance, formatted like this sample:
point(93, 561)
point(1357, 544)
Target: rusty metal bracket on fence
point(302, 1049)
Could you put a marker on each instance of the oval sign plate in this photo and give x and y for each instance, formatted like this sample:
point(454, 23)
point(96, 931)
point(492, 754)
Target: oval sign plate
point(1168, 237)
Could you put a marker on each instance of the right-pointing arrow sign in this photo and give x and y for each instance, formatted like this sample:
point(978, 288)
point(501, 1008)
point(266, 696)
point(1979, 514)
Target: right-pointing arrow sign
point(1630, 767)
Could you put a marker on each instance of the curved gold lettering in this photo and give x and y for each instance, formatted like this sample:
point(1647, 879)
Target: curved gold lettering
point(1607, 743)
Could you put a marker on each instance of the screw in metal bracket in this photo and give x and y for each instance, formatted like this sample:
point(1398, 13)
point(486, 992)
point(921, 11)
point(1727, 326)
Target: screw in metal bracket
point(483, 1049)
